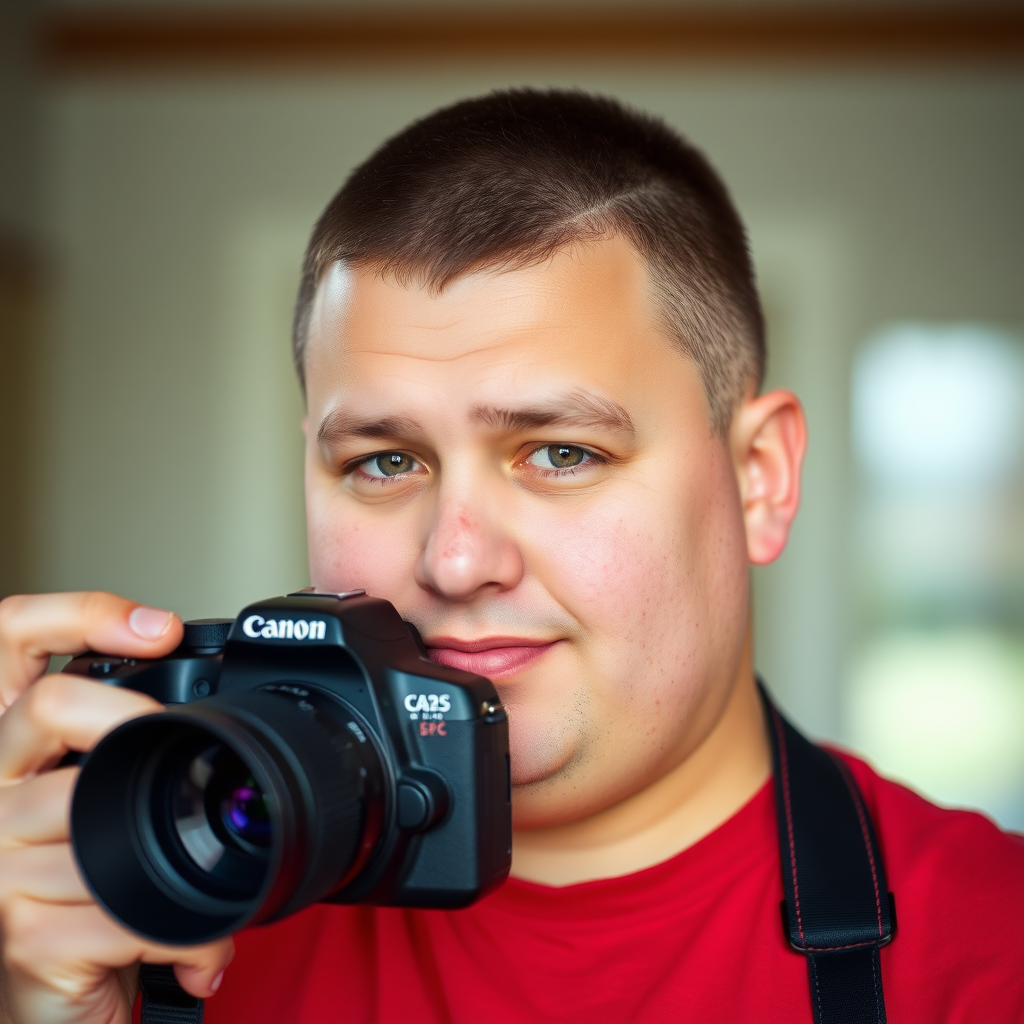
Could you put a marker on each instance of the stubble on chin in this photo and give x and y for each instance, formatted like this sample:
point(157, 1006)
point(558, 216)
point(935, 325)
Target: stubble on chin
point(544, 741)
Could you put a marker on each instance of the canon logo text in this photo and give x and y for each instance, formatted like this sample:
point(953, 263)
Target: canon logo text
point(284, 629)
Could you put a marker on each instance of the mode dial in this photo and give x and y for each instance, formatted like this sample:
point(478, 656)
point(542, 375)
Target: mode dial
point(207, 634)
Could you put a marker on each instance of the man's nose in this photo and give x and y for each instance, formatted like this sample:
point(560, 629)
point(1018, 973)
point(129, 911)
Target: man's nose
point(468, 550)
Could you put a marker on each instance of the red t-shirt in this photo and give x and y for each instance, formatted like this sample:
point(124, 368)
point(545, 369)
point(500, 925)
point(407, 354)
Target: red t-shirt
point(696, 938)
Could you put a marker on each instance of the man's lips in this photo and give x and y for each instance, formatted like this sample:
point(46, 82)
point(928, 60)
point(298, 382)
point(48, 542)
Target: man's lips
point(495, 657)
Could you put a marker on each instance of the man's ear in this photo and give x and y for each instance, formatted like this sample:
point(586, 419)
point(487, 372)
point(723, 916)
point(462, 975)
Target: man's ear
point(767, 438)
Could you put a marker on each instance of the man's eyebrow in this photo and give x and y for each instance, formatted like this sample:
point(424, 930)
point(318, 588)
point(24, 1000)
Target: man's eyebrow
point(574, 409)
point(340, 426)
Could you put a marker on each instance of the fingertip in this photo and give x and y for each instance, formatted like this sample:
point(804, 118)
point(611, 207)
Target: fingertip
point(150, 623)
point(152, 632)
point(194, 980)
point(203, 980)
point(116, 625)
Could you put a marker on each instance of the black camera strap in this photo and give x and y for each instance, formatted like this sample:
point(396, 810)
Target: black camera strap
point(838, 911)
point(164, 1001)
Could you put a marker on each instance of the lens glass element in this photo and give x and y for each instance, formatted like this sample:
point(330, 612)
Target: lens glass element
point(244, 814)
point(220, 814)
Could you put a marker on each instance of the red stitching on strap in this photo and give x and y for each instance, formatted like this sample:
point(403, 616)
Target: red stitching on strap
point(866, 944)
point(784, 766)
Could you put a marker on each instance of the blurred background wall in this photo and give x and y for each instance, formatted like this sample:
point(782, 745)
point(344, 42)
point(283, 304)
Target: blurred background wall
point(160, 169)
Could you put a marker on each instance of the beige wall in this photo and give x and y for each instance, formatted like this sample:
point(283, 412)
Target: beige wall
point(176, 210)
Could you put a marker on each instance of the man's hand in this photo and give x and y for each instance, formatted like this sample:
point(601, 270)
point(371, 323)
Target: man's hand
point(64, 960)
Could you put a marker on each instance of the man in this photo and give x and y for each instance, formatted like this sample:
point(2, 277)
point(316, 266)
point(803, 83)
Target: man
point(531, 347)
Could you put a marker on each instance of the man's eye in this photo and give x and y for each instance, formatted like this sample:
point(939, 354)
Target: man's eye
point(559, 456)
point(389, 464)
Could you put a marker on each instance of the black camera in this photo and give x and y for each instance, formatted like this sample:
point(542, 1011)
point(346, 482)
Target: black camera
point(310, 752)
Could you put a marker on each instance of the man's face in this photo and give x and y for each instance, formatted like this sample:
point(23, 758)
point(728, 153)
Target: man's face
point(524, 465)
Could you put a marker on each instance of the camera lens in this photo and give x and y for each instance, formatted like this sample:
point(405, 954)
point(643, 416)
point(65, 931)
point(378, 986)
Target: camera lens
point(233, 810)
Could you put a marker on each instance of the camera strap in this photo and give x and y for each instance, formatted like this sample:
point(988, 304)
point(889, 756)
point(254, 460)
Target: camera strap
point(838, 911)
point(164, 1001)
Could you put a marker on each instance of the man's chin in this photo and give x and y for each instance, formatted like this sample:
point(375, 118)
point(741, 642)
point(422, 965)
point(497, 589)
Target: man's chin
point(539, 754)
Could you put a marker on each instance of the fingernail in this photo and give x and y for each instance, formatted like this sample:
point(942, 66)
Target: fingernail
point(215, 984)
point(149, 623)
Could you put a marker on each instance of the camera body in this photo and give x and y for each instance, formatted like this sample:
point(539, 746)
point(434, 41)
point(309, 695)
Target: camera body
point(426, 821)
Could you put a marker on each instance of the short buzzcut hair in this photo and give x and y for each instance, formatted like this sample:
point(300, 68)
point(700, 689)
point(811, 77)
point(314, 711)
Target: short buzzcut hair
point(506, 180)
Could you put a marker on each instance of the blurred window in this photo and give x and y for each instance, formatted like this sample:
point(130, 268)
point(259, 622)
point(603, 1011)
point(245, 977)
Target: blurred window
point(936, 687)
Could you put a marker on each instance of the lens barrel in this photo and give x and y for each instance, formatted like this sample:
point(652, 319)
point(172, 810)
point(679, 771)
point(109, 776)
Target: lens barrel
point(233, 810)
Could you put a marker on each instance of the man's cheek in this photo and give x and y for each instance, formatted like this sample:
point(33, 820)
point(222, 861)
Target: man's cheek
point(612, 569)
point(635, 584)
point(346, 553)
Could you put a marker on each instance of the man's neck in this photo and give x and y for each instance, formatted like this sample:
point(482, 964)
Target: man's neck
point(668, 816)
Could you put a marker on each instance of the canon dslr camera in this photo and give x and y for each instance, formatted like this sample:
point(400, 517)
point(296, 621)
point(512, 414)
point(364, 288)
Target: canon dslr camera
point(311, 752)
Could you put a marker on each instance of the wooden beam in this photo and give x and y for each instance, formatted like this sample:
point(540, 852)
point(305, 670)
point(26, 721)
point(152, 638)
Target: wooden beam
point(90, 40)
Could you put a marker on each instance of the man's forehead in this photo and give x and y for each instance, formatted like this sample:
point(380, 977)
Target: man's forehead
point(590, 289)
point(497, 350)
